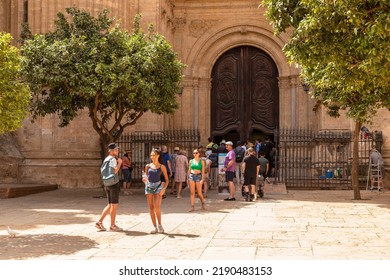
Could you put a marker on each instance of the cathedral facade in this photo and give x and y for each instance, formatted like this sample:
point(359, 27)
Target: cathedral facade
point(237, 83)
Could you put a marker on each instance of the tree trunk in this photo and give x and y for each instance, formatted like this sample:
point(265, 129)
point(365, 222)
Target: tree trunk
point(355, 161)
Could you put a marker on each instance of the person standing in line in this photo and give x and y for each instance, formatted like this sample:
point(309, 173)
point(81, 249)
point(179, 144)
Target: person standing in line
point(229, 168)
point(168, 165)
point(126, 165)
point(250, 169)
point(222, 147)
point(180, 172)
point(195, 179)
point(173, 162)
point(264, 165)
point(240, 154)
point(155, 189)
point(112, 192)
point(258, 147)
point(207, 169)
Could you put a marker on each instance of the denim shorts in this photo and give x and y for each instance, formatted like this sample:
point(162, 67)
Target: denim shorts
point(195, 177)
point(153, 188)
point(126, 175)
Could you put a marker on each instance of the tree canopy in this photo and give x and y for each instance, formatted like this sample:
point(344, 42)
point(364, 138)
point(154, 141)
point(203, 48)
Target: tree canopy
point(88, 63)
point(342, 48)
point(14, 95)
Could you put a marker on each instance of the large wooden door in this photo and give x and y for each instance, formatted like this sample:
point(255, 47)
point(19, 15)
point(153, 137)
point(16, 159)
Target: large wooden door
point(244, 94)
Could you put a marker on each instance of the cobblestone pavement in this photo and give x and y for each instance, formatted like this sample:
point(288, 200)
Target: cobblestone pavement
point(59, 225)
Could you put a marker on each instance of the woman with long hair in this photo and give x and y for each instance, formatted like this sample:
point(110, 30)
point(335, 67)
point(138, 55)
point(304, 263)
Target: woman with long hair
point(196, 170)
point(154, 189)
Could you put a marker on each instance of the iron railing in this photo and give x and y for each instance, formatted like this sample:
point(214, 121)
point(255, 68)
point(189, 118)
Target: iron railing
point(320, 160)
point(141, 143)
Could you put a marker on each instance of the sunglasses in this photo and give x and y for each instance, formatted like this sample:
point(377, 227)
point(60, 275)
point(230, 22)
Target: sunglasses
point(195, 153)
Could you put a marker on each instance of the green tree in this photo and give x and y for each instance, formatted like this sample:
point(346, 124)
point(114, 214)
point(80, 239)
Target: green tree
point(116, 75)
point(342, 48)
point(14, 95)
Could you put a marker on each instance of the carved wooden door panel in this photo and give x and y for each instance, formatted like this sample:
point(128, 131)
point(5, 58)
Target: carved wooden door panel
point(245, 94)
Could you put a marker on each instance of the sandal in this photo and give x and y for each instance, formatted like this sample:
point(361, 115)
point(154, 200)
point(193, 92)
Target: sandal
point(115, 228)
point(203, 208)
point(192, 209)
point(99, 226)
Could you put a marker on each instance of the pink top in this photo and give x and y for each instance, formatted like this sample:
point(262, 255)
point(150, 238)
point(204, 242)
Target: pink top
point(125, 162)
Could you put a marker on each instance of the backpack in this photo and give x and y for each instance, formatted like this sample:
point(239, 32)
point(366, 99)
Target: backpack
point(108, 176)
point(214, 159)
point(240, 152)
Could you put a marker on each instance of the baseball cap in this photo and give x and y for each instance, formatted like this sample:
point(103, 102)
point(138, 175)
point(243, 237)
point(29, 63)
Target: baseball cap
point(229, 143)
point(113, 146)
point(223, 142)
point(176, 149)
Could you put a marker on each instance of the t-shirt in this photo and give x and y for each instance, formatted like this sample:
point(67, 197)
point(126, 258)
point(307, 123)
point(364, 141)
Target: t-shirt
point(263, 164)
point(230, 155)
point(251, 163)
point(167, 157)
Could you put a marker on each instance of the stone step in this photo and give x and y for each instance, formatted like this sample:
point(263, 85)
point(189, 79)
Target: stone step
point(16, 190)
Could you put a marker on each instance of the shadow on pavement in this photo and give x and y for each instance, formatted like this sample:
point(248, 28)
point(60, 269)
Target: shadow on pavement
point(38, 245)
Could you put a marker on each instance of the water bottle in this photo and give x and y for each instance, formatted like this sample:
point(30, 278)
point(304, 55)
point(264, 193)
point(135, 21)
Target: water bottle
point(144, 177)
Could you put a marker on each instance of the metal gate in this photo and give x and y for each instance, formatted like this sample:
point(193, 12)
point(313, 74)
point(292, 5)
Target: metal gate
point(321, 160)
point(141, 143)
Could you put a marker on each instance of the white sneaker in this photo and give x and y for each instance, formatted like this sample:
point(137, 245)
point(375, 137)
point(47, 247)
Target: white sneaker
point(160, 229)
point(154, 231)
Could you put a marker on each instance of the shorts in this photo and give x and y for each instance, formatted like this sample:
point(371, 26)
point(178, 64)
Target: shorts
point(153, 188)
point(126, 175)
point(229, 175)
point(112, 193)
point(195, 177)
point(249, 180)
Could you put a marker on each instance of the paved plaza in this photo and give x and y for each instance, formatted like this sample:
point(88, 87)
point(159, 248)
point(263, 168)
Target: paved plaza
point(301, 225)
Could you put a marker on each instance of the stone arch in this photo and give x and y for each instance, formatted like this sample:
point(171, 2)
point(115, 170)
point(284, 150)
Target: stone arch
point(216, 41)
point(208, 49)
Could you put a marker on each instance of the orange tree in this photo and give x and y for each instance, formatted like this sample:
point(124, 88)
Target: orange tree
point(342, 48)
point(14, 95)
point(115, 74)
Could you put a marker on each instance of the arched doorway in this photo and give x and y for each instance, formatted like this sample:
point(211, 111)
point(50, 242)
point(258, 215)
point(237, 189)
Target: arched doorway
point(244, 95)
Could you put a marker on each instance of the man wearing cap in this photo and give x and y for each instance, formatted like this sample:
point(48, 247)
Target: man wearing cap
point(112, 192)
point(229, 168)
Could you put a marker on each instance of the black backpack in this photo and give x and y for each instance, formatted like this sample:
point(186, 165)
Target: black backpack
point(240, 152)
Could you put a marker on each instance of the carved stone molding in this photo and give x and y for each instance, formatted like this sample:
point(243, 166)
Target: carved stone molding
point(199, 27)
point(178, 23)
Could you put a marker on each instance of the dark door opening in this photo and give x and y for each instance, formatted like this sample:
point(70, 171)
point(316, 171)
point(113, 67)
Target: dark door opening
point(244, 95)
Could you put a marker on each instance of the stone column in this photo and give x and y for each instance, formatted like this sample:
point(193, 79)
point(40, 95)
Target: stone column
point(294, 81)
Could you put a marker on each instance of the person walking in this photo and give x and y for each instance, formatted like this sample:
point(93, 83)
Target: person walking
point(180, 172)
point(229, 168)
point(250, 169)
point(195, 178)
point(154, 189)
point(126, 165)
point(112, 192)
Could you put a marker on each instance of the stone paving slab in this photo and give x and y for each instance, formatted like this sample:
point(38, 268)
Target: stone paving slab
point(59, 225)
